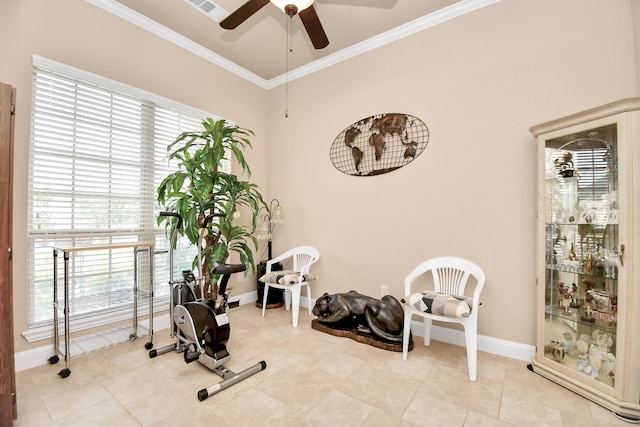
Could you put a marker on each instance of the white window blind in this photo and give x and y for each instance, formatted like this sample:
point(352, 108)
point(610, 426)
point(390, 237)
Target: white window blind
point(594, 184)
point(98, 153)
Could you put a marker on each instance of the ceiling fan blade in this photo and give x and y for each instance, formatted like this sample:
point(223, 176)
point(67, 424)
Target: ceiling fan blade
point(314, 27)
point(243, 13)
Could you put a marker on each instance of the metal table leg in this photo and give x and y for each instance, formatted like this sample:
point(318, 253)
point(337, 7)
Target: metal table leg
point(67, 332)
point(149, 344)
point(56, 338)
point(136, 293)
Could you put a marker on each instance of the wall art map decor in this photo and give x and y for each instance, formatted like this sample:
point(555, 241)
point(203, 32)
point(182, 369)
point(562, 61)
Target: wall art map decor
point(379, 144)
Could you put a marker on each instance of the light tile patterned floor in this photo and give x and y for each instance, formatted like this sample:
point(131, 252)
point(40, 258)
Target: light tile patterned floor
point(311, 379)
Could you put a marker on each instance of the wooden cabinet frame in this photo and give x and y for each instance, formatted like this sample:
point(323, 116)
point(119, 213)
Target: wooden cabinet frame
point(621, 392)
point(8, 408)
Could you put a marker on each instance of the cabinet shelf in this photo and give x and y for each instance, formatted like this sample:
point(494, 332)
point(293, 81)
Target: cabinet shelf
point(577, 315)
point(575, 224)
point(572, 362)
point(578, 271)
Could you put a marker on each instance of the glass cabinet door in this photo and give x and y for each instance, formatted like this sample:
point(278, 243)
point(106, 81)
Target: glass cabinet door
point(582, 252)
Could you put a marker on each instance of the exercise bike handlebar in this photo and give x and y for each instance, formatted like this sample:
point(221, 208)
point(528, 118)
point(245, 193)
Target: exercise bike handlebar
point(174, 235)
point(176, 230)
point(174, 214)
point(209, 218)
point(202, 233)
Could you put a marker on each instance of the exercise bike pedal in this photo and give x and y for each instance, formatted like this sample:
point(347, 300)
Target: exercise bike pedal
point(191, 355)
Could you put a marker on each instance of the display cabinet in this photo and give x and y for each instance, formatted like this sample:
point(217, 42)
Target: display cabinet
point(588, 294)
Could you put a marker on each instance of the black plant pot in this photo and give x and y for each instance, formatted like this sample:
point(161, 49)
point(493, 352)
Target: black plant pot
point(275, 299)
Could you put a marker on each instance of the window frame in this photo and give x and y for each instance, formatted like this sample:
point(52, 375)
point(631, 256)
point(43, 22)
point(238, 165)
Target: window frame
point(42, 329)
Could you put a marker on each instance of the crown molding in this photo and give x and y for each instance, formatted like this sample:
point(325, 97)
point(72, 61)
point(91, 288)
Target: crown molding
point(443, 15)
point(438, 17)
point(179, 40)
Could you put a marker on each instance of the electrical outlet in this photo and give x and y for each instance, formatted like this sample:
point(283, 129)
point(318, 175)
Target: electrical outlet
point(241, 277)
point(384, 290)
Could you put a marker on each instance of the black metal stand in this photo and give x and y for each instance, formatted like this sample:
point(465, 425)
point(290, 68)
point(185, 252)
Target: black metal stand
point(275, 299)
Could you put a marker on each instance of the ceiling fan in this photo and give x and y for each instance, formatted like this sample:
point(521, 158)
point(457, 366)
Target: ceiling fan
point(304, 8)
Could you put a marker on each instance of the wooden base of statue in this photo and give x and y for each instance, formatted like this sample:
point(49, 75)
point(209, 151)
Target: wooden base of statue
point(359, 337)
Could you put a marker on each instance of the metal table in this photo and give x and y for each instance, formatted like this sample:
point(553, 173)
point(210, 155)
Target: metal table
point(66, 251)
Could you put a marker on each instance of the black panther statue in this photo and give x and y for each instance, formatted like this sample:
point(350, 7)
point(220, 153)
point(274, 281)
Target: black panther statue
point(381, 318)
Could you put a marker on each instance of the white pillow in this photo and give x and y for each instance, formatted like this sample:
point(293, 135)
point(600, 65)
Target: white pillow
point(441, 304)
point(286, 277)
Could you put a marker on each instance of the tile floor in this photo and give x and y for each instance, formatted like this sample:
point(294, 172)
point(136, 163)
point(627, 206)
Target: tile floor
point(311, 379)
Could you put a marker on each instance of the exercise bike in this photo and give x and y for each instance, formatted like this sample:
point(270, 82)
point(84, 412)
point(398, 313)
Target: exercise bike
point(201, 328)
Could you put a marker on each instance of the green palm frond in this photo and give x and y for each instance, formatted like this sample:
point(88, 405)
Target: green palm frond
point(200, 188)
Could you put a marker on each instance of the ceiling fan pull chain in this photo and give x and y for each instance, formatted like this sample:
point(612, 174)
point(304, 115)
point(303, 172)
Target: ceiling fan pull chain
point(286, 75)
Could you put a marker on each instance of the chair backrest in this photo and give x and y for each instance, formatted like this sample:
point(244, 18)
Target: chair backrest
point(303, 258)
point(450, 276)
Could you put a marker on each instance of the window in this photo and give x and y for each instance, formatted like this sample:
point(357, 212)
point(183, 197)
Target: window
point(98, 153)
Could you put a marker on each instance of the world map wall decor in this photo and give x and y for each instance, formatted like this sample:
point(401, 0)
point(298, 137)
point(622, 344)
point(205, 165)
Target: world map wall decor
point(379, 144)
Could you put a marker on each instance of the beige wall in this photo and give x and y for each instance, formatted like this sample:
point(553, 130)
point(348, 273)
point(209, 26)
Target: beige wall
point(479, 82)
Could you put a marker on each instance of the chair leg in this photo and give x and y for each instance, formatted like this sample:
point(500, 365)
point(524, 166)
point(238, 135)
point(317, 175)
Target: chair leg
point(287, 299)
point(471, 338)
point(264, 298)
point(427, 331)
point(406, 333)
point(295, 304)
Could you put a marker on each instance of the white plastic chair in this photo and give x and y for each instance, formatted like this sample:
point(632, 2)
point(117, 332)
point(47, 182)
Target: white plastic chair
point(450, 277)
point(303, 258)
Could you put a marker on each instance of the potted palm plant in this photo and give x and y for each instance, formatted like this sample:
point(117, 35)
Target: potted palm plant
point(200, 188)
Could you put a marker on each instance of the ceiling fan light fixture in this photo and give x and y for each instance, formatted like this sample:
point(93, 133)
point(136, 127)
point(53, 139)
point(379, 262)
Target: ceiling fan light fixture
point(299, 4)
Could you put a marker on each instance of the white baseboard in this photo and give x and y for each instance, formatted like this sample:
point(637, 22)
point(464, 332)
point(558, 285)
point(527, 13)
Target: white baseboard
point(39, 356)
point(500, 347)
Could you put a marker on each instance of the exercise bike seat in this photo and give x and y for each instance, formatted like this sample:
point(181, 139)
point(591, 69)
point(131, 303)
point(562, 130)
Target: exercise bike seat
point(223, 268)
